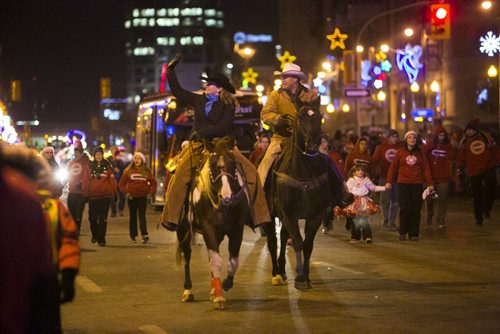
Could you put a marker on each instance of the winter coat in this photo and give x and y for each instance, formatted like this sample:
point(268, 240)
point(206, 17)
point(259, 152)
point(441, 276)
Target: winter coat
point(410, 167)
point(137, 183)
point(356, 157)
point(102, 180)
point(382, 158)
point(440, 156)
point(477, 153)
point(79, 175)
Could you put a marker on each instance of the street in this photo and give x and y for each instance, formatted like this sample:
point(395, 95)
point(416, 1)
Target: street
point(447, 282)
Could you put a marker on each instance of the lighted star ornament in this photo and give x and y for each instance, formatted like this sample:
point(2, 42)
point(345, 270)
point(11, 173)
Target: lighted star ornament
point(286, 58)
point(337, 39)
point(249, 77)
point(490, 44)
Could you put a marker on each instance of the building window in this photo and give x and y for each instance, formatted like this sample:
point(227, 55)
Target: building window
point(192, 40)
point(220, 24)
point(164, 22)
point(151, 22)
point(135, 13)
point(165, 40)
point(186, 22)
point(191, 11)
point(144, 51)
point(127, 24)
point(210, 12)
point(210, 22)
point(220, 14)
point(140, 22)
point(148, 12)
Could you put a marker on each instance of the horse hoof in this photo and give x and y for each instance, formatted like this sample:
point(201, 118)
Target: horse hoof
point(278, 280)
point(187, 296)
point(219, 303)
point(212, 295)
point(309, 285)
point(227, 284)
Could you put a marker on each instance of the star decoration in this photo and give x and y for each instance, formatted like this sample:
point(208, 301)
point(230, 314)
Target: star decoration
point(249, 76)
point(337, 39)
point(286, 58)
point(380, 56)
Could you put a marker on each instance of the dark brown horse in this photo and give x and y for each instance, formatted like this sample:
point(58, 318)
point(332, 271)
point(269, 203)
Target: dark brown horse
point(303, 185)
point(218, 208)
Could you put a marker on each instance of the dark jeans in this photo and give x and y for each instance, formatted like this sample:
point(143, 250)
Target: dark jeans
point(483, 192)
point(410, 203)
point(137, 206)
point(98, 216)
point(117, 201)
point(360, 227)
point(76, 204)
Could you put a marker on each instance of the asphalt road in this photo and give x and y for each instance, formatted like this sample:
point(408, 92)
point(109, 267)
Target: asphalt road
point(447, 282)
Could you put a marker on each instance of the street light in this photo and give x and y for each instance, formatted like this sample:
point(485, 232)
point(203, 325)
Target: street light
point(492, 71)
point(486, 5)
point(384, 48)
point(346, 108)
point(435, 86)
point(330, 108)
point(360, 48)
point(381, 96)
point(408, 32)
point(414, 87)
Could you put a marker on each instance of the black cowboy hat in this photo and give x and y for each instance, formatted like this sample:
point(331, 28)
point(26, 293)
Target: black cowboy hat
point(221, 81)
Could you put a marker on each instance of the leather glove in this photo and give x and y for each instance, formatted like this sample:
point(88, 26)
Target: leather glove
point(195, 135)
point(67, 285)
point(171, 65)
point(284, 122)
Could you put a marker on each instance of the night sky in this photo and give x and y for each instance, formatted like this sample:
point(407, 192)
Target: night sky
point(68, 45)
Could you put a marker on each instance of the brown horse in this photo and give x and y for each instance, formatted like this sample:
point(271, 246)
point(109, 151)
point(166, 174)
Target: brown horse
point(218, 208)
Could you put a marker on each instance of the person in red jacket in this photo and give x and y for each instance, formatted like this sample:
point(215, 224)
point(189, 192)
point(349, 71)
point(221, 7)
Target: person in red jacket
point(477, 152)
point(440, 154)
point(411, 167)
point(137, 183)
point(381, 160)
point(101, 187)
point(78, 183)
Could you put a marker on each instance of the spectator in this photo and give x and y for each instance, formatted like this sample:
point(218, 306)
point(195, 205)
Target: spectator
point(55, 185)
point(440, 154)
point(78, 182)
point(117, 201)
point(381, 160)
point(257, 155)
point(411, 168)
point(101, 187)
point(137, 183)
point(477, 153)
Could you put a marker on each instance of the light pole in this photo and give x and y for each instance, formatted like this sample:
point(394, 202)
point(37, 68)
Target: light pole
point(360, 34)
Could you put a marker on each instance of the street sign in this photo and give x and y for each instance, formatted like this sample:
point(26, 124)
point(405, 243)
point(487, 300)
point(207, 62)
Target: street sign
point(425, 113)
point(357, 92)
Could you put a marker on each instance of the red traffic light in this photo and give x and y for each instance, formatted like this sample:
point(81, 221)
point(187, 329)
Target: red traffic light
point(441, 13)
point(440, 21)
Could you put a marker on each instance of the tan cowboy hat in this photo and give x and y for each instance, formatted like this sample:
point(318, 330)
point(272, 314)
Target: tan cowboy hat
point(291, 70)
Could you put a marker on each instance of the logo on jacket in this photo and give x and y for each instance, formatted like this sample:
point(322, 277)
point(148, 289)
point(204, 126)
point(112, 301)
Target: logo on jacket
point(477, 147)
point(361, 162)
point(75, 169)
point(411, 160)
point(389, 154)
point(137, 177)
point(438, 153)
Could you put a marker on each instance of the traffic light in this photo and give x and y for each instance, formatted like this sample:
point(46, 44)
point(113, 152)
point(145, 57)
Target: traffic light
point(105, 88)
point(440, 21)
point(15, 87)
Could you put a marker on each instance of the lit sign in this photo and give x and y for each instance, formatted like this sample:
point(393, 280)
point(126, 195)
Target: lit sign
point(112, 115)
point(408, 60)
point(424, 113)
point(242, 38)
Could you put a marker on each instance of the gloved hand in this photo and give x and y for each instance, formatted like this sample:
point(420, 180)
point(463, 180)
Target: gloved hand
point(195, 135)
point(282, 127)
point(67, 285)
point(284, 122)
point(171, 65)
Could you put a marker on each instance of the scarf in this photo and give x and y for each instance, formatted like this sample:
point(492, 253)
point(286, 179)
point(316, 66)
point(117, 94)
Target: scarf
point(211, 99)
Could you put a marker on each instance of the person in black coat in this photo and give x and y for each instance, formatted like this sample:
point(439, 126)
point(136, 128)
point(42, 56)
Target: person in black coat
point(213, 118)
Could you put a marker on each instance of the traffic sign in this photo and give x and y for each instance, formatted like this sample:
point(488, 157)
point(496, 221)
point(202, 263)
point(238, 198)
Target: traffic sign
point(425, 113)
point(357, 92)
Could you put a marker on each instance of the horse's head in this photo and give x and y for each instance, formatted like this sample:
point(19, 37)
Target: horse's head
point(222, 169)
point(309, 128)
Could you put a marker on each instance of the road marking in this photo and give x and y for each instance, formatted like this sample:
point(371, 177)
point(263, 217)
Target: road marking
point(293, 298)
point(326, 264)
point(87, 284)
point(152, 329)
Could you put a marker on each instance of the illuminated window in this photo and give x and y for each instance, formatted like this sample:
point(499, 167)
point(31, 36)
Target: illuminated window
point(191, 40)
point(187, 22)
point(140, 22)
point(151, 22)
point(220, 24)
point(161, 12)
point(210, 22)
point(135, 13)
point(144, 51)
point(148, 12)
point(167, 22)
point(173, 12)
point(127, 24)
point(210, 12)
point(165, 40)
point(220, 14)
point(191, 11)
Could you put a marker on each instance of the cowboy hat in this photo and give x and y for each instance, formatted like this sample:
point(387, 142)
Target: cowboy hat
point(220, 80)
point(291, 70)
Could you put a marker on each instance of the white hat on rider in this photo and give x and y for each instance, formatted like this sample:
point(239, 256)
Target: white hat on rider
point(291, 70)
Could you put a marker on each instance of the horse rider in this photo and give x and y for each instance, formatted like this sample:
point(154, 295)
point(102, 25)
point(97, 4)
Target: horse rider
point(280, 111)
point(213, 118)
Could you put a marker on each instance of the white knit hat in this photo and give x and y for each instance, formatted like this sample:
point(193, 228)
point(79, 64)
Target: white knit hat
point(142, 156)
point(410, 133)
point(47, 149)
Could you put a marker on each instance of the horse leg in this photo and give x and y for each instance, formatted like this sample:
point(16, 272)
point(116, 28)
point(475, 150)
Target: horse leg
point(272, 242)
point(297, 243)
point(282, 258)
point(184, 237)
point(233, 263)
point(310, 233)
point(216, 266)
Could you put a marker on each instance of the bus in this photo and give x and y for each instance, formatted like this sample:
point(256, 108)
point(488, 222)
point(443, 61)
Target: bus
point(163, 124)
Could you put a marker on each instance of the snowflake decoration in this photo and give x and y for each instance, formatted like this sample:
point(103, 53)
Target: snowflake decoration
point(490, 44)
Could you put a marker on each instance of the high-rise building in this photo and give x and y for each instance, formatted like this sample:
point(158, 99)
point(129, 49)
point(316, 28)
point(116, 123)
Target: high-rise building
point(157, 29)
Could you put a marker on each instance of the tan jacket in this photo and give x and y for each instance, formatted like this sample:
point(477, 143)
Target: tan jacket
point(279, 103)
